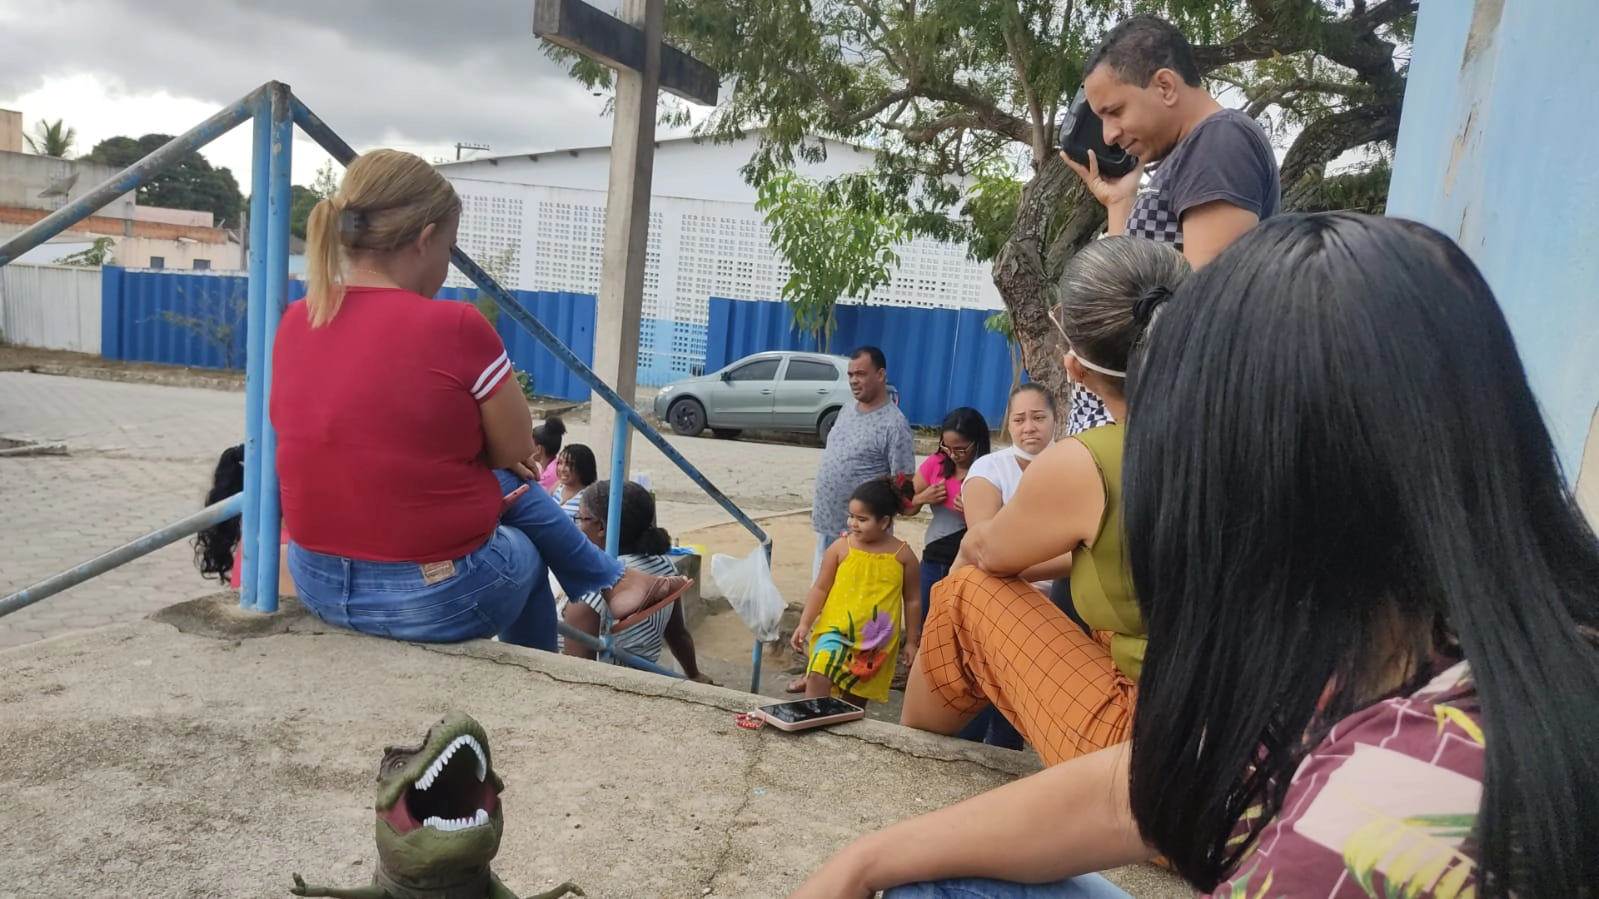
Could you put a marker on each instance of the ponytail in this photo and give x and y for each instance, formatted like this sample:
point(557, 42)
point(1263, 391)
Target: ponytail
point(324, 261)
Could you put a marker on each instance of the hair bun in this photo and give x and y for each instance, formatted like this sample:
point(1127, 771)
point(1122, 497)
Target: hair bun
point(1144, 308)
point(555, 426)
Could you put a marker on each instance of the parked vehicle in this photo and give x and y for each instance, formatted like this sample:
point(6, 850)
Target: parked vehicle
point(775, 391)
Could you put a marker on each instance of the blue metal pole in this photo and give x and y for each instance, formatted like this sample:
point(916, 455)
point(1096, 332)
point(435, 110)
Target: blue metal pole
point(269, 528)
point(255, 349)
point(602, 646)
point(613, 511)
point(318, 131)
point(127, 552)
point(132, 177)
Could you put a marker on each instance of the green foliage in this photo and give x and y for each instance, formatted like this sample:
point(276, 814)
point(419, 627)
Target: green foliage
point(525, 381)
point(304, 199)
point(51, 138)
point(497, 266)
point(97, 253)
point(838, 238)
point(951, 93)
point(189, 184)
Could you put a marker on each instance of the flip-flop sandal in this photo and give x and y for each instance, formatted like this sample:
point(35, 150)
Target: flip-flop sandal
point(649, 610)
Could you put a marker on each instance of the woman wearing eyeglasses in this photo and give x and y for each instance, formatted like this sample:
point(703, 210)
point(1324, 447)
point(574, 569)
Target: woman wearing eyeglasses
point(963, 440)
point(993, 639)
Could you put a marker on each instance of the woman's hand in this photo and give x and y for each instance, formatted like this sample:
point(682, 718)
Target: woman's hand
point(528, 469)
point(932, 496)
point(838, 879)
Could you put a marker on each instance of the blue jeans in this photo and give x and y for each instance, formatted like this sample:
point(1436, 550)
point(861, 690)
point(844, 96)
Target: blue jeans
point(500, 589)
point(932, 573)
point(1089, 886)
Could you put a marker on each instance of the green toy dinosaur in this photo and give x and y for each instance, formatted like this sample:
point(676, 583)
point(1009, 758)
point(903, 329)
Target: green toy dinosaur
point(438, 821)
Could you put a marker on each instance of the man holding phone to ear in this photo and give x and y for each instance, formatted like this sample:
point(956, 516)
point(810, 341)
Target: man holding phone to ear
point(1215, 173)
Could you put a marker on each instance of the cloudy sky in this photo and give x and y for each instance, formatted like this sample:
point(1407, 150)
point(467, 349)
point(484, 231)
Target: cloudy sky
point(414, 74)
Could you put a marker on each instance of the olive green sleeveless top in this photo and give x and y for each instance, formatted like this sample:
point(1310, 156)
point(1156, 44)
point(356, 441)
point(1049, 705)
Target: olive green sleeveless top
point(1102, 584)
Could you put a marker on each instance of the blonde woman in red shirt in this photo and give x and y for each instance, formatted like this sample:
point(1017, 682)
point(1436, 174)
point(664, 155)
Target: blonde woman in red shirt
point(403, 441)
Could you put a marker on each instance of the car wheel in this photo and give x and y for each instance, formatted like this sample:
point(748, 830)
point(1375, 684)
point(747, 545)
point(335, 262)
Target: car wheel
point(825, 426)
point(726, 433)
point(687, 417)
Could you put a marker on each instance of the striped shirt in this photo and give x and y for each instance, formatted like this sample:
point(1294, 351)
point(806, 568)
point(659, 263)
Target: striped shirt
point(645, 638)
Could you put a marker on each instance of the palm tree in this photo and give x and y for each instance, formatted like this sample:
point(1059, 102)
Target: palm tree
point(52, 138)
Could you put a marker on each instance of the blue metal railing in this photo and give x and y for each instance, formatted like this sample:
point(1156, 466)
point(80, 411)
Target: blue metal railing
point(276, 111)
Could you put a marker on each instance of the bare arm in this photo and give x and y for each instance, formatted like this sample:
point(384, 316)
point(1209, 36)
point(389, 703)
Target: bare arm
point(1057, 506)
point(926, 495)
point(817, 597)
point(912, 598)
point(507, 427)
point(1071, 819)
point(1212, 227)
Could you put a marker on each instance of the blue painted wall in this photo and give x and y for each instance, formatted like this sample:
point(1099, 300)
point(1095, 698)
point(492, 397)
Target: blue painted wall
point(938, 359)
point(1499, 148)
point(144, 314)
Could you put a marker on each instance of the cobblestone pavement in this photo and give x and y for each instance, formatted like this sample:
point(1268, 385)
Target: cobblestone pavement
point(140, 456)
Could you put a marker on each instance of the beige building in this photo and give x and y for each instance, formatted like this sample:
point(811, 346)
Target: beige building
point(32, 187)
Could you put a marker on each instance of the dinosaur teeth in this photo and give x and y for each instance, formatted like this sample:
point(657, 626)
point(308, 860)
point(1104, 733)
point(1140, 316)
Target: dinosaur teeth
point(453, 824)
point(425, 782)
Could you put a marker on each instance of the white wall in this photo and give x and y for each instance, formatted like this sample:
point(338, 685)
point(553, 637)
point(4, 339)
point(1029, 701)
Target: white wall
point(683, 168)
point(52, 306)
point(697, 249)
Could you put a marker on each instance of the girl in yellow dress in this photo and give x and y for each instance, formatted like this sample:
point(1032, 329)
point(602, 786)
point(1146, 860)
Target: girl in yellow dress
point(866, 593)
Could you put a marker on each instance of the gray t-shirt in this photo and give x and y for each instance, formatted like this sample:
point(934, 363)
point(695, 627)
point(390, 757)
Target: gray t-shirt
point(1226, 157)
point(860, 447)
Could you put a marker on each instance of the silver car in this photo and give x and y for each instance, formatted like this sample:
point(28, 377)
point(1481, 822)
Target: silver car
point(777, 391)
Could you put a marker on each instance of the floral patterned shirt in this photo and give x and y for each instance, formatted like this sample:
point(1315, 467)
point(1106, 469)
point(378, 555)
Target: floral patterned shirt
point(1382, 807)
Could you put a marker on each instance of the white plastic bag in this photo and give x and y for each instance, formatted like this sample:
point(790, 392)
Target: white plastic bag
point(747, 584)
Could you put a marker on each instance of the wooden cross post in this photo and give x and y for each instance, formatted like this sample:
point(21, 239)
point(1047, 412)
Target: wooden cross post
point(630, 44)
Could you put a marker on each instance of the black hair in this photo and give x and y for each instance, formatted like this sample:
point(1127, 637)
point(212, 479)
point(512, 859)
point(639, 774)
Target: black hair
point(886, 496)
point(639, 533)
point(214, 546)
point(1041, 390)
point(968, 423)
point(548, 435)
point(581, 460)
point(1335, 461)
point(879, 361)
point(1140, 46)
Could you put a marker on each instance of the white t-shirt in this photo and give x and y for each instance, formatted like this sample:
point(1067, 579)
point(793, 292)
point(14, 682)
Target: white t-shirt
point(1000, 468)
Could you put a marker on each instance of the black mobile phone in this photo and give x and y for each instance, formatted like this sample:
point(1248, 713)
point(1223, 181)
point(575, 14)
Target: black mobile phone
point(804, 714)
point(1082, 130)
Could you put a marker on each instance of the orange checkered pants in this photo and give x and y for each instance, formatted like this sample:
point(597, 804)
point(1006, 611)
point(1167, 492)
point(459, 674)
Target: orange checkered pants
point(998, 640)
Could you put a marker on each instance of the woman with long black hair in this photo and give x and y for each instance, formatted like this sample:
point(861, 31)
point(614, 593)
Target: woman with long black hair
point(1371, 605)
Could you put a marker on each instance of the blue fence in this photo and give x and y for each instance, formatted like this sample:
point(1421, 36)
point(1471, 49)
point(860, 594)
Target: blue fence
point(938, 359)
point(199, 320)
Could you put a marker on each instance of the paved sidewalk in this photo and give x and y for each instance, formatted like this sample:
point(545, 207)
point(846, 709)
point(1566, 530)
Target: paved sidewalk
point(141, 455)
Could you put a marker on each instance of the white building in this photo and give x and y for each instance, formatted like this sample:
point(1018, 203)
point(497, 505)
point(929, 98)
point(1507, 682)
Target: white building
point(543, 215)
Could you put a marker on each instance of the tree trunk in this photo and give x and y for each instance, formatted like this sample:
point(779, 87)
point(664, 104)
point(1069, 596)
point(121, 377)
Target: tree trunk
point(1305, 166)
point(1055, 217)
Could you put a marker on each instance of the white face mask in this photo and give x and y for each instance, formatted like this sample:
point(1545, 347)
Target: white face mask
point(1026, 456)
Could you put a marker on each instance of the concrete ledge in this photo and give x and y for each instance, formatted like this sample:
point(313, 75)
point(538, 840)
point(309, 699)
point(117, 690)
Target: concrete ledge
point(213, 752)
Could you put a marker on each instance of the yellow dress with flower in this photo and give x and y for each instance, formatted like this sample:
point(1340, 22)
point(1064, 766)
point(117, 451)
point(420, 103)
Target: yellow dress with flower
point(855, 642)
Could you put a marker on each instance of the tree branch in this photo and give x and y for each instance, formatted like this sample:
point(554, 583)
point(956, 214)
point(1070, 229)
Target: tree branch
point(1268, 94)
point(1326, 139)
